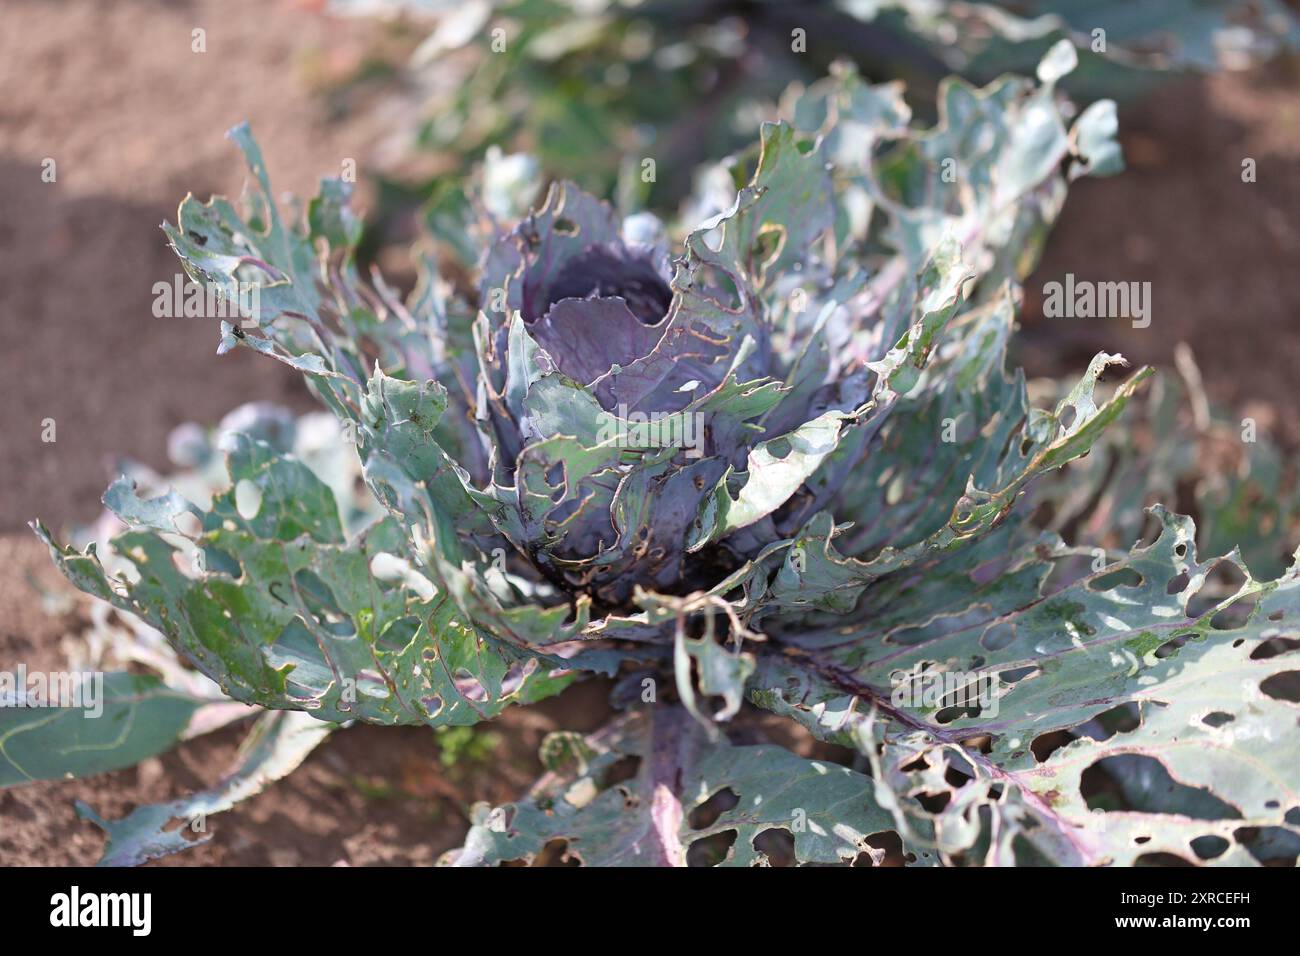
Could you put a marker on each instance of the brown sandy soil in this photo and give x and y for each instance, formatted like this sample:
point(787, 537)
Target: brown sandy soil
point(134, 119)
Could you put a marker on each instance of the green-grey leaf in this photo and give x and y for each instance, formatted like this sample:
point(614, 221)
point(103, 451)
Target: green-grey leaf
point(137, 716)
point(1211, 691)
point(289, 614)
point(605, 820)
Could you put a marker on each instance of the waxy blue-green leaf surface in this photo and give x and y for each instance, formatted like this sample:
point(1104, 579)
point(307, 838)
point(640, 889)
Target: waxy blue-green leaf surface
point(118, 722)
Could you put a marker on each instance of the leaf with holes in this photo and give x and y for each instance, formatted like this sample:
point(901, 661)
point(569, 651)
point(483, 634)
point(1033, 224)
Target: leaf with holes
point(1130, 715)
point(654, 789)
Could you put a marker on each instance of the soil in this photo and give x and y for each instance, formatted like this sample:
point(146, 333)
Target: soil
point(133, 119)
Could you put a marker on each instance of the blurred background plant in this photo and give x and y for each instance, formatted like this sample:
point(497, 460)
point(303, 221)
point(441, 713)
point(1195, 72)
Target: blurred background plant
point(593, 88)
